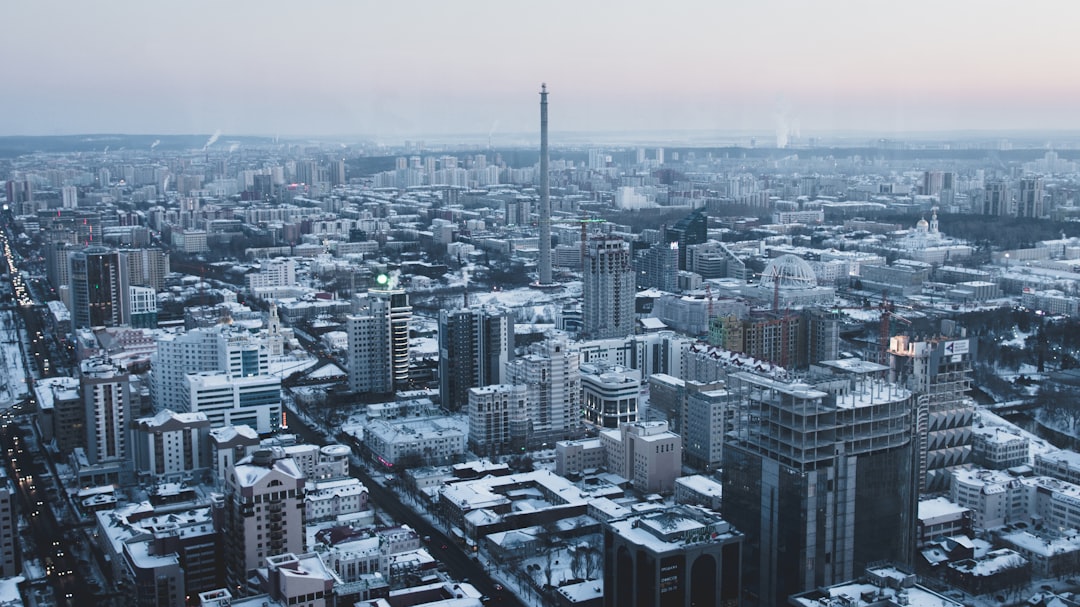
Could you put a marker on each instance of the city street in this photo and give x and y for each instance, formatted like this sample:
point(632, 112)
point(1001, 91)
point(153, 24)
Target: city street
point(461, 564)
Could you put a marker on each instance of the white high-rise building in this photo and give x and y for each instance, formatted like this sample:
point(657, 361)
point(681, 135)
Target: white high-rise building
point(279, 272)
point(551, 372)
point(608, 289)
point(107, 398)
point(231, 401)
point(378, 335)
point(69, 197)
point(238, 354)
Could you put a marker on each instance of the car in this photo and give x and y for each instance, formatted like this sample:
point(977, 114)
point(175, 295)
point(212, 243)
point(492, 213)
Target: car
point(498, 587)
point(427, 539)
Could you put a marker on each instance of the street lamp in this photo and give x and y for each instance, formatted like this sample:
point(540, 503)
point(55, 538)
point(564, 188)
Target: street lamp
point(1006, 262)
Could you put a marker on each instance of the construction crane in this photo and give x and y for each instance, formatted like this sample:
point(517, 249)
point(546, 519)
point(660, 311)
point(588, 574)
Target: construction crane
point(888, 312)
point(584, 222)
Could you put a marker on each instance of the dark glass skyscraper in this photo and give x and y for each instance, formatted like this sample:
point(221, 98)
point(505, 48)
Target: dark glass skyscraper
point(821, 478)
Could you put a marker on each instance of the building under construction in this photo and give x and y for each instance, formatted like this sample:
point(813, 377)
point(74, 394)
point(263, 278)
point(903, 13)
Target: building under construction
point(938, 371)
point(820, 476)
point(791, 339)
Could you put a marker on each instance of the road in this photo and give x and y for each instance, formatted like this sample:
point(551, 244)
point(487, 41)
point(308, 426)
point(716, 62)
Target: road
point(30, 476)
point(461, 565)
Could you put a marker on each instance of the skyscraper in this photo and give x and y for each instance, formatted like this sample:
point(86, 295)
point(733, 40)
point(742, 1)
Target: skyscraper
point(820, 478)
point(938, 372)
point(107, 399)
point(99, 288)
point(551, 371)
point(690, 230)
point(474, 346)
point(378, 335)
point(996, 199)
point(608, 289)
point(1029, 202)
point(262, 516)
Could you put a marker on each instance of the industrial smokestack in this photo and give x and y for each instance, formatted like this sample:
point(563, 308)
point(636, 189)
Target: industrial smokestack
point(545, 193)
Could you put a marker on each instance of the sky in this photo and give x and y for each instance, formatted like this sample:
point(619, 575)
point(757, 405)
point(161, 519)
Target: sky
point(412, 69)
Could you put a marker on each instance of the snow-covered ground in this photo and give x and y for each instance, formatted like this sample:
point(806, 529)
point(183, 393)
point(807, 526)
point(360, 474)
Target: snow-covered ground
point(13, 385)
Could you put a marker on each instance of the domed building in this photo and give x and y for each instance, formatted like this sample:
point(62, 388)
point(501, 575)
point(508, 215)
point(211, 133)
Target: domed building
point(792, 283)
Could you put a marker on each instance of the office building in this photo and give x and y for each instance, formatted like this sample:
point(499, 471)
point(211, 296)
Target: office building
point(658, 267)
point(98, 288)
point(709, 414)
point(609, 394)
point(237, 353)
point(474, 346)
point(673, 557)
point(262, 515)
point(819, 477)
point(230, 401)
point(645, 453)
point(688, 231)
point(608, 289)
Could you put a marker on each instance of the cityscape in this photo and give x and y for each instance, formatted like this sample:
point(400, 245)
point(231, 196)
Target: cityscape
point(371, 305)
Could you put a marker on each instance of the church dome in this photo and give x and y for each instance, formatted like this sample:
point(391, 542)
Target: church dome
point(792, 273)
point(923, 225)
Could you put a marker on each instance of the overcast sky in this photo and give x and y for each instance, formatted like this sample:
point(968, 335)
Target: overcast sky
point(414, 68)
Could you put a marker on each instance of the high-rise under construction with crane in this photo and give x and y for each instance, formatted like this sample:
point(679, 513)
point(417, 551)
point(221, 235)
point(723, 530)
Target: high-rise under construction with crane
point(938, 371)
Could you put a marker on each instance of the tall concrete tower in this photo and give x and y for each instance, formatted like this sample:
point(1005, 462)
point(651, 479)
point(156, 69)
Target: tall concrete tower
point(545, 193)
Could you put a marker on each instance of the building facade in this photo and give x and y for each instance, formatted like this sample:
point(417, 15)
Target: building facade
point(609, 287)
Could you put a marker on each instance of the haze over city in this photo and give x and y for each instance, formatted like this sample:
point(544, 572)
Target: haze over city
point(387, 69)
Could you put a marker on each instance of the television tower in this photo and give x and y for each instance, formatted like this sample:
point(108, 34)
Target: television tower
point(545, 194)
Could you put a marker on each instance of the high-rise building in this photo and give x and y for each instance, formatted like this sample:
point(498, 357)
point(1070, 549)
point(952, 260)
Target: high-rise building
point(608, 289)
point(62, 415)
point(9, 528)
point(98, 288)
point(69, 197)
point(378, 337)
point(220, 348)
point(474, 346)
point(170, 445)
point(690, 230)
point(672, 557)
point(147, 267)
point(658, 267)
point(107, 398)
point(262, 515)
point(820, 477)
point(550, 370)
point(499, 418)
point(938, 371)
point(996, 199)
point(1029, 202)
point(230, 401)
